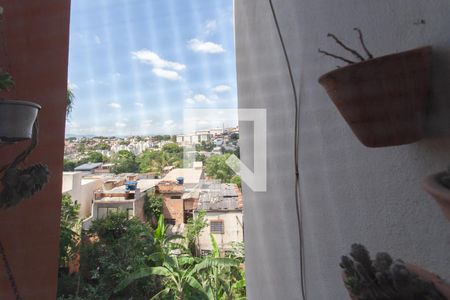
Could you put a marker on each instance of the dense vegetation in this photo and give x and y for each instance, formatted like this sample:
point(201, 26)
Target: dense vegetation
point(122, 258)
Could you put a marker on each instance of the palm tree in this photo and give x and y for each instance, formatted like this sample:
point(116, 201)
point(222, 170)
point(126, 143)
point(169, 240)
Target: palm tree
point(70, 98)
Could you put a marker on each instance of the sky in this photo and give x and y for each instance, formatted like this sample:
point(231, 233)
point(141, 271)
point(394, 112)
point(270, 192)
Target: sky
point(136, 65)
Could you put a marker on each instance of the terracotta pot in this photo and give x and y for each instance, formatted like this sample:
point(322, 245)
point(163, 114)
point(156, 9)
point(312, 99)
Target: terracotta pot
point(440, 193)
point(17, 119)
point(383, 99)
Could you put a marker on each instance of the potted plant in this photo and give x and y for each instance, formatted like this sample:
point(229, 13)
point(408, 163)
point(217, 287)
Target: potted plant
point(438, 186)
point(16, 117)
point(386, 279)
point(18, 121)
point(382, 99)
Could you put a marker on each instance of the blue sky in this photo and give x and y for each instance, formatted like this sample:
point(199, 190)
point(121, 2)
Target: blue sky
point(135, 65)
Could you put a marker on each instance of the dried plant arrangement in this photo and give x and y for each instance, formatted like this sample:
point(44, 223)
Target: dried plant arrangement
point(384, 278)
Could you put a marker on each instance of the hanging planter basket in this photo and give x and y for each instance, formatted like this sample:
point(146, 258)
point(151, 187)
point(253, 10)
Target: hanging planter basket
point(433, 185)
point(17, 119)
point(382, 99)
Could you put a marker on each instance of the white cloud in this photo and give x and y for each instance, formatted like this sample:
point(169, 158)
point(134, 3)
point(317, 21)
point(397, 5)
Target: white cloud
point(139, 104)
point(167, 74)
point(199, 98)
point(197, 45)
point(151, 58)
point(121, 124)
point(222, 88)
point(210, 27)
point(97, 40)
point(115, 105)
point(147, 123)
point(161, 67)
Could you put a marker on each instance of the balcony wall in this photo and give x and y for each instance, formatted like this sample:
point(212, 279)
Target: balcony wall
point(35, 37)
point(349, 193)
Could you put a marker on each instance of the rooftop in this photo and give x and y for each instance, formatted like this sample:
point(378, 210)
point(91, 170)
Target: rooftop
point(225, 196)
point(88, 166)
point(190, 175)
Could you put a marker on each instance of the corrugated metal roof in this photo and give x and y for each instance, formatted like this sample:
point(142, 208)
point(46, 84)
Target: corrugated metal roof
point(88, 167)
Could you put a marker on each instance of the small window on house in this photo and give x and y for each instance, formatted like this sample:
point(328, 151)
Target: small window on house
point(130, 213)
point(175, 197)
point(169, 221)
point(217, 227)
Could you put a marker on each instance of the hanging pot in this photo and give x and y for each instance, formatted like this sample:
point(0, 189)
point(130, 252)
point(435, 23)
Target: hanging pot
point(440, 193)
point(17, 119)
point(383, 100)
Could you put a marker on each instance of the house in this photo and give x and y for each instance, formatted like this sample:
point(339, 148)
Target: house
point(129, 198)
point(173, 203)
point(223, 205)
point(81, 190)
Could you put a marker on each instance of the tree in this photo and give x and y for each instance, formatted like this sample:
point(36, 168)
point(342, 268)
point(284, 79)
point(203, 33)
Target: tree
point(119, 247)
point(155, 161)
point(217, 168)
point(153, 207)
point(193, 229)
point(69, 165)
point(69, 237)
point(70, 99)
point(93, 157)
point(102, 146)
point(236, 180)
point(173, 149)
point(204, 146)
point(125, 162)
point(200, 157)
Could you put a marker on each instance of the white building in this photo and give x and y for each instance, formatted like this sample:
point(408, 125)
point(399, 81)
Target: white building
point(120, 199)
point(224, 214)
point(81, 190)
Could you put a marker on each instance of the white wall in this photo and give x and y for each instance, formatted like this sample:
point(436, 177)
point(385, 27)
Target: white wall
point(349, 193)
point(233, 230)
point(81, 190)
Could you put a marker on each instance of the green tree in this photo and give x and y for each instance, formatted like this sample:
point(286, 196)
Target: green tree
point(200, 157)
point(125, 162)
point(193, 229)
point(236, 180)
point(173, 149)
point(155, 161)
point(70, 99)
point(69, 237)
point(119, 247)
point(69, 165)
point(93, 157)
point(204, 146)
point(217, 168)
point(102, 146)
point(153, 207)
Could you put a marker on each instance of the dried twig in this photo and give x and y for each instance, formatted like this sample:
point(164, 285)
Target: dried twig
point(370, 56)
point(336, 56)
point(354, 52)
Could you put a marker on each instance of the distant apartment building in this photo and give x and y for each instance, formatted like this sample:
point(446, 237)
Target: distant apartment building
point(128, 198)
point(193, 139)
